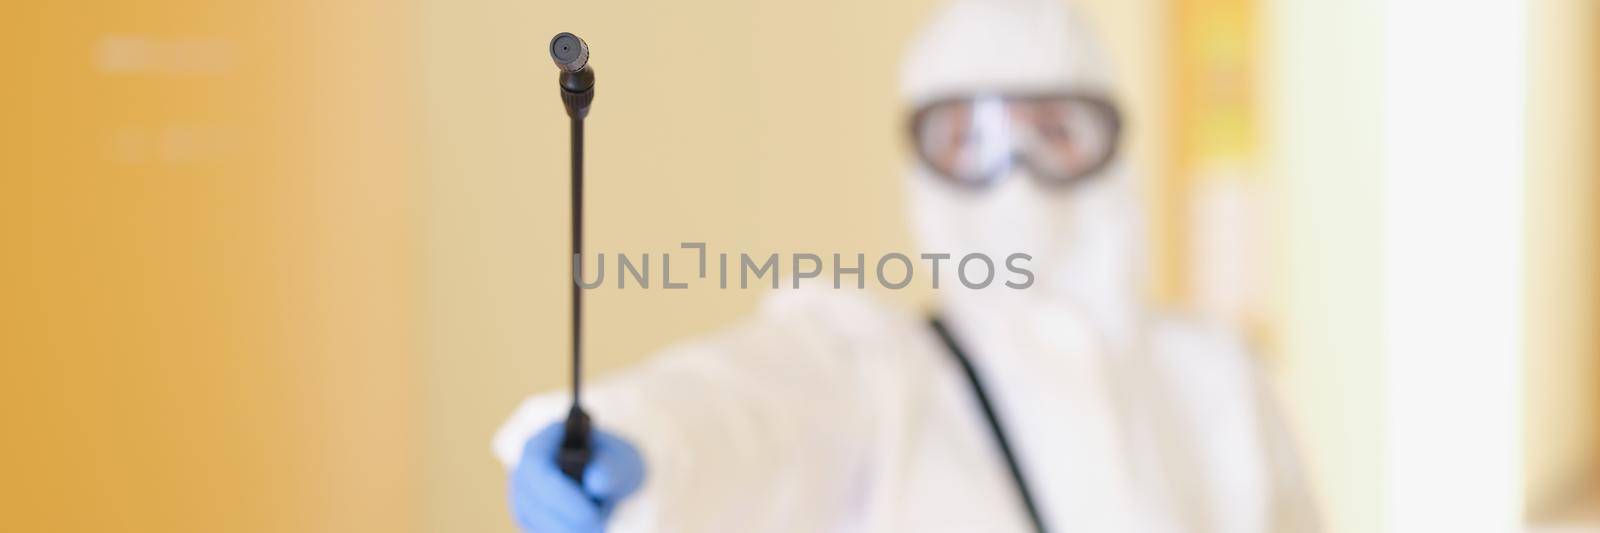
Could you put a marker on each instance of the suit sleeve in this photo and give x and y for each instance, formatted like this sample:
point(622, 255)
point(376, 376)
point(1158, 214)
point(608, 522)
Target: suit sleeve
point(765, 426)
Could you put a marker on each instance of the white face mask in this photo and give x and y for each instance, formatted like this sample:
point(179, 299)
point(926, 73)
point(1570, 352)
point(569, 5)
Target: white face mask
point(1084, 239)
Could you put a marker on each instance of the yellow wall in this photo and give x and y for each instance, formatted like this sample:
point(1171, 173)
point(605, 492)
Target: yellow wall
point(798, 147)
point(1562, 410)
point(206, 221)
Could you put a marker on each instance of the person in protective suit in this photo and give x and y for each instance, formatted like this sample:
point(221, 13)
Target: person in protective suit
point(1066, 406)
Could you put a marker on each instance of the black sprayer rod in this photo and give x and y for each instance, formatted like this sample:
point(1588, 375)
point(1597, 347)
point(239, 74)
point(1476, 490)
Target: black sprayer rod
point(571, 55)
point(577, 260)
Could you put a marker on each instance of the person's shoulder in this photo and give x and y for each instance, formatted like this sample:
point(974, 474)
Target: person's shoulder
point(1218, 394)
point(1203, 361)
point(1185, 341)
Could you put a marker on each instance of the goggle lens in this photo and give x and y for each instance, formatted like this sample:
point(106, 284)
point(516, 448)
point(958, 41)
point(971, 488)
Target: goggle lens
point(975, 141)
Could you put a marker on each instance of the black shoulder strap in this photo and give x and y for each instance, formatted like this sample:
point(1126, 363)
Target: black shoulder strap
point(994, 421)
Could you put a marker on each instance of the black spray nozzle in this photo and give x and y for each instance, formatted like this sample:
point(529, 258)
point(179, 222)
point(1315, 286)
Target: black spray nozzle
point(571, 55)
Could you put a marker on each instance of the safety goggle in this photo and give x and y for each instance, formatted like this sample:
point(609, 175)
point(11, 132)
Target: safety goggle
point(974, 141)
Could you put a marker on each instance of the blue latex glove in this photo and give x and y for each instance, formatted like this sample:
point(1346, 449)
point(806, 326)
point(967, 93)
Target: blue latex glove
point(544, 500)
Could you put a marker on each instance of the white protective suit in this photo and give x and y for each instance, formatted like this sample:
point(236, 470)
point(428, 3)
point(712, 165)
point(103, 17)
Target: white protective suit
point(828, 412)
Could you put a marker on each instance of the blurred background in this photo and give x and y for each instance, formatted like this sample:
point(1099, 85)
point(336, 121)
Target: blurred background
point(285, 266)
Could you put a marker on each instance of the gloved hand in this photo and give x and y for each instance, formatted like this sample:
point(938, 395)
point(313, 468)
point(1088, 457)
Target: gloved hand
point(544, 500)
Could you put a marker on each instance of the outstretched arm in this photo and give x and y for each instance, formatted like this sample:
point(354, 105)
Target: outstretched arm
point(765, 426)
